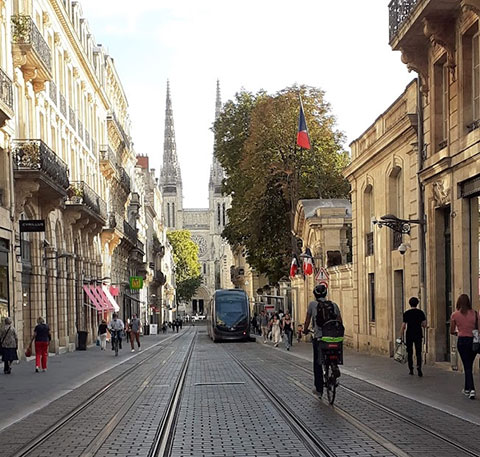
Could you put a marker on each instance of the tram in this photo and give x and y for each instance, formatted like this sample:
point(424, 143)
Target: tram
point(228, 315)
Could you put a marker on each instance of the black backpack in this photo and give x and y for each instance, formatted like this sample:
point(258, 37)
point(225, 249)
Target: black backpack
point(327, 320)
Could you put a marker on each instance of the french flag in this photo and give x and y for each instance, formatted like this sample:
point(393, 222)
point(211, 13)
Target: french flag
point(308, 262)
point(294, 267)
point(302, 136)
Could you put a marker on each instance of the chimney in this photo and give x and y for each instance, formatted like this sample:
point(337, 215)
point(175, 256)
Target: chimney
point(142, 161)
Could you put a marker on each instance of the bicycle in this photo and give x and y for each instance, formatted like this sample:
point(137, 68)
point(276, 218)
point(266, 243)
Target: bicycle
point(332, 356)
point(115, 340)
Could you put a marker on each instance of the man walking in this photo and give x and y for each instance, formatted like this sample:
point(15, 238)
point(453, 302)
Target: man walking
point(414, 320)
point(264, 325)
point(135, 326)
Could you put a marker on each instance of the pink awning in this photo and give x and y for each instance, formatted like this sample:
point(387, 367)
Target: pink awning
point(107, 306)
point(93, 298)
point(112, 301)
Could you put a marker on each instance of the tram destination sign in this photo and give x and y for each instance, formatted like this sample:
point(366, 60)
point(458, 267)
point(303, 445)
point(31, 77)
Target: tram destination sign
point(33, 225)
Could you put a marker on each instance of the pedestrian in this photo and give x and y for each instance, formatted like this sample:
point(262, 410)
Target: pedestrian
point(287, 330)
point(102, 334)
point(463, 321)
point(164, 328)
point(264, 325)
point(253, 323)
point(414, 320)
point(9, 345)
point(127, 330)
point(176, 324)
point(320, 292)
point(180, 321)
point(41, 336)
point(275, 325)
point(299, 332)
point(135, 326)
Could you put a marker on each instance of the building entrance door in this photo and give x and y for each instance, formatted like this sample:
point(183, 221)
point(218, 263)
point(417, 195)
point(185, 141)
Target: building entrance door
point(448, 276)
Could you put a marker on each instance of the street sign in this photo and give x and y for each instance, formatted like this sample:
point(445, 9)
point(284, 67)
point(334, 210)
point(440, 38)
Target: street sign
point(136, 282)
point(34, 225)
point(268, 308)
point(322, 275)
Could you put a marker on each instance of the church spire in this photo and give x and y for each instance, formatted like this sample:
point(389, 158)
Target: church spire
point(170, 174)
point(218, 101)
point(217, 174)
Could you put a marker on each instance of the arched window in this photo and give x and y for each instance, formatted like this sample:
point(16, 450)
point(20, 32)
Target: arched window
point(168, 215)
point(224, 217)
point(368, 212)
point(218, 214)
point(395, 203)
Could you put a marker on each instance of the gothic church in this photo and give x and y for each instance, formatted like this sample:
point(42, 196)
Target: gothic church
point(205, 224)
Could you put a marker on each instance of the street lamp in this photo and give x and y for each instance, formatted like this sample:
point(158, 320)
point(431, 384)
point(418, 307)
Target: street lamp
point(396, 224)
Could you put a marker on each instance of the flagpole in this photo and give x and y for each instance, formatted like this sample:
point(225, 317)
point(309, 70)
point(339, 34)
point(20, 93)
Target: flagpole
point(294, 184)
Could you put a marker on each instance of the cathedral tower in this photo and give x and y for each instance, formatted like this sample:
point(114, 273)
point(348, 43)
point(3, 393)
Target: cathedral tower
point(170, 175)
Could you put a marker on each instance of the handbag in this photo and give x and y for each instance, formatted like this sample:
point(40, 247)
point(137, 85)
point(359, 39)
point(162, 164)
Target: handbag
point(400, 354)
point(98, 341)
point(3, 339)
point(476, 337)
point(28, 352)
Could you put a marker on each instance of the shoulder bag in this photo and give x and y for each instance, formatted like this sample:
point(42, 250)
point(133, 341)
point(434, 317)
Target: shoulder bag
point(476, 337)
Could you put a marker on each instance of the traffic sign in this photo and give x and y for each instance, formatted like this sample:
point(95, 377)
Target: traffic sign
point(322, 275)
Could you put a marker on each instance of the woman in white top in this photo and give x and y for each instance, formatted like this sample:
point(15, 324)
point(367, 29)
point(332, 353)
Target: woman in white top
point(275, 324)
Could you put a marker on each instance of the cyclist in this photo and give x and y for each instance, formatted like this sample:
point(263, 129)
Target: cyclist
point(116, 326)
point(320, 292)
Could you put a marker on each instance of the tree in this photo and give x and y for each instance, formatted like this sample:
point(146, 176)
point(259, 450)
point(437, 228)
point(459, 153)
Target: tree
point(185, 255)
point(255, 138)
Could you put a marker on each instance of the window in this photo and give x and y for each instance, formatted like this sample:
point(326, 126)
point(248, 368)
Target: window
point(168, 215)
point(218, 214)
point(440, 118)
point(173, 214)
point(395, 203)
point(368, 211)
point(371, 295)
point(223, 215)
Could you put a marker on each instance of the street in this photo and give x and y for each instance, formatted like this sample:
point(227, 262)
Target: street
point(186, 396)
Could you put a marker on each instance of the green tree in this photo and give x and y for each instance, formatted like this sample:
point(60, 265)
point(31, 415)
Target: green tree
point(255, 138)
point(185, 255)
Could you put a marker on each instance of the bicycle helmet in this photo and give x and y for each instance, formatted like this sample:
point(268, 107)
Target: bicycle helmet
point(320, 291)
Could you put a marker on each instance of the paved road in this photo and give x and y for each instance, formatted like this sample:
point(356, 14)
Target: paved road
point(223, 410)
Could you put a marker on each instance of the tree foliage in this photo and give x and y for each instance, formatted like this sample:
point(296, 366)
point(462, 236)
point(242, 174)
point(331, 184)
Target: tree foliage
point(185, 255)
point(255, 138)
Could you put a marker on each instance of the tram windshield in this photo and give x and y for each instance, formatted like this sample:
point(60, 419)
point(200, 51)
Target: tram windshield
point(231, 309)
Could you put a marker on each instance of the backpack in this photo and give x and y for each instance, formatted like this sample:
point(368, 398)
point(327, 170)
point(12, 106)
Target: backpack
point(327, 320)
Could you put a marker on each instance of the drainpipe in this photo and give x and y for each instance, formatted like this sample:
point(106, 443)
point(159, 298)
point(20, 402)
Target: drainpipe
point(421, 206)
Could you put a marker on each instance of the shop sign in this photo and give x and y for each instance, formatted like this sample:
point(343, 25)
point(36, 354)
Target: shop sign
point(136, 282)
point(34, 225)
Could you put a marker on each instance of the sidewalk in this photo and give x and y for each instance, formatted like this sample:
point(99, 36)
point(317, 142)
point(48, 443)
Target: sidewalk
point(438, 388)
point(25, 391)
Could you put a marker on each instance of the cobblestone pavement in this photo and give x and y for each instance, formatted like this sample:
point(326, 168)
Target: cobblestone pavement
point(224, 412)
point(408, 438)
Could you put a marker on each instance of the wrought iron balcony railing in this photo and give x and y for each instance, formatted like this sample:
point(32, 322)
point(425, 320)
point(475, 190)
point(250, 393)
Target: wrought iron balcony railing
point(63, 105)
point(399, 12)
point(106, 154)
point(52, 92)
point(26, 35)
point(130, 232)
point(6, 90)
point(71, 117)
point(124, 179)
point(80, 193)
point(80, 129)
point(87, 139)
point(35, 155)
point(113, 118)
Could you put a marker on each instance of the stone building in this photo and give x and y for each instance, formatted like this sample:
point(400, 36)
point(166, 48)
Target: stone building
point(67, 159)
point(204, 224)
point(440, 41)
point(383, 179)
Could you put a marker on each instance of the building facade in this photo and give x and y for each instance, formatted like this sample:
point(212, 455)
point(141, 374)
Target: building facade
point(205, 224)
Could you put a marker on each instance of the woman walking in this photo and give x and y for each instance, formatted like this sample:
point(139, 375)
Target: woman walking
point(41, 336)
point(9, 340)
point(463, 322)
point(275, 330)
point(287, 330)
point(102, 334)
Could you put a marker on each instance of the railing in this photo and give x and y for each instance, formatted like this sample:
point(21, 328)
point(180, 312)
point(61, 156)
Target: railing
point(87, 139)
point(106, 154)
point(81, 193)
point(124, 179)
point(369, 243)
point(6, 90)
point(63, 105)
point(112, 117)
point(24, 31)
point(129, 231)
point(36, 155)
point(94, 145)
point(52, 92)
point(71, 117)
point(80, 129)
point(399, 11)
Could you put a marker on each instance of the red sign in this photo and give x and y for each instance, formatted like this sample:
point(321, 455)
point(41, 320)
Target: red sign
point(114, 291)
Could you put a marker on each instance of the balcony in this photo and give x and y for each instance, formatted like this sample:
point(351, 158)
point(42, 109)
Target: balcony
point(52, 92)
point(84, 198)
point(63, 105)
point(71, 117)
point(124, 179)
point(108, 161)
point(87, 139)
point(31, 51)
point(113, 121)
point(399, 12)
point(80, 129)
point(35, 161)
point(130, 232)
point(6, 98)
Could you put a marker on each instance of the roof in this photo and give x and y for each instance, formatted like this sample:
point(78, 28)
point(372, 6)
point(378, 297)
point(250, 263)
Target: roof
point(310, 206)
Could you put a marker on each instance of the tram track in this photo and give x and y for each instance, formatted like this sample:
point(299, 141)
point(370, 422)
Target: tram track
point(384, 409)
point(91, 450)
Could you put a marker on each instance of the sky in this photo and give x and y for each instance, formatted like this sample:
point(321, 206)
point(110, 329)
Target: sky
point(340, 46)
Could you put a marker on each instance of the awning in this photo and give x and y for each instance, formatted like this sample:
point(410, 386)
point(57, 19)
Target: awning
point(107, 306)
point(112, 301)
point(99, 297)
point(93, 298)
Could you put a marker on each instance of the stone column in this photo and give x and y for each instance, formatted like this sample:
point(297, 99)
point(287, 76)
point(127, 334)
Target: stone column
point(71, 317)
point(51, 296)
point(62, 301)
point(79, 311)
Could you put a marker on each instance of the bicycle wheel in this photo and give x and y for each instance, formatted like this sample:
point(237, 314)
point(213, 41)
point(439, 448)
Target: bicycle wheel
point(116, 346)
point(330, 384)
